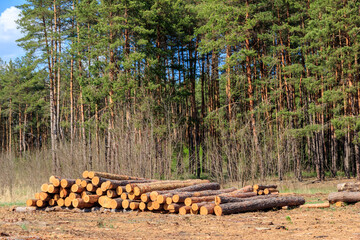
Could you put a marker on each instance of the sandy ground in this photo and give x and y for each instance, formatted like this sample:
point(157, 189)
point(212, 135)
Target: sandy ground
point(331, 223)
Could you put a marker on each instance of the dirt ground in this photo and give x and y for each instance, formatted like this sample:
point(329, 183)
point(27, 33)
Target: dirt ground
point(331, 223)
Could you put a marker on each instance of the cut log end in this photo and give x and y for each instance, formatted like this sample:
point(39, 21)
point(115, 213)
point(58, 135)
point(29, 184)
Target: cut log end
point(218, 211)
point(85, 174)
point(142, 206)
point(128, 188)
point(31, 202)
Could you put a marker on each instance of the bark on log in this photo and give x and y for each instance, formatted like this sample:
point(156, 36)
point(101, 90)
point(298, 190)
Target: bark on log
point(180, 197)
point(207, 209)
point(112, 176)
point(239, 194)
point(316, 205)
point(134, 205)
point(189, 201)
point(91, 198)
point(115, 203)
point(262, 187)
point(31, 202)
point(80, 203)
point(91, 188)
point(224, 199)
point(112, 194)
point(174, 207)
point(184, 210)
point(256, 205)
point(142, 188)
point(349, 187)
point(53, 189)
point(40, 203)
point(348, 197)
point(77, 188)
point(67, 183)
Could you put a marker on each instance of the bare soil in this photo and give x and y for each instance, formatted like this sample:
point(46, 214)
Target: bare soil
point(331, 223)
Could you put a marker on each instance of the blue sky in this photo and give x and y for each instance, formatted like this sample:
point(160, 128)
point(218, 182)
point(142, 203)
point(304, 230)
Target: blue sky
point(8, 30)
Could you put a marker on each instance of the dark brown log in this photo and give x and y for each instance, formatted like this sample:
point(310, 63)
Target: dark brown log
point(180, 197)
point(148, 187)
point(262, 187)
point(67, 183)
point(112, 176)
point(348, 197)
point(349, 187)
point(31, 202)
point(184, 210)
point(256, 205)
point(80, 203)
point(207, 209)
point(113, 184)
point(224, 199)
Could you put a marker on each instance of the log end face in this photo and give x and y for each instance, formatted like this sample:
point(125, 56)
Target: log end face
point(218, 211)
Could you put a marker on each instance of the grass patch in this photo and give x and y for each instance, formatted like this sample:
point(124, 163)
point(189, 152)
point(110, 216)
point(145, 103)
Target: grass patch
point(9, 204)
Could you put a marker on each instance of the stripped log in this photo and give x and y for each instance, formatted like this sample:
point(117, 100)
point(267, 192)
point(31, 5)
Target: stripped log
point(184, 210)
point(180, 197)
point(112, 176)
point(142, 188)
point(207, 209)
point(348, 197)
point(31, 202)
point(80, 203)
point(349, 187)
point(316, 205)
point(113, 184)
point(256, 205)
point(67, 183)
point(262, 187)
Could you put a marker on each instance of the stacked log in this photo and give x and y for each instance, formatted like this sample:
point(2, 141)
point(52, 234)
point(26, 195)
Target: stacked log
point(347, 193)
point(128, 193)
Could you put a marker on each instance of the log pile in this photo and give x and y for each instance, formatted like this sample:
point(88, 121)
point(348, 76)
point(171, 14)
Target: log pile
point(100, 190)
point(347, 193)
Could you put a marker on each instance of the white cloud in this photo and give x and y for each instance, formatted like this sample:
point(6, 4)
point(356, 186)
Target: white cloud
point(8, 27)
